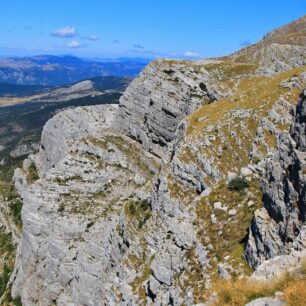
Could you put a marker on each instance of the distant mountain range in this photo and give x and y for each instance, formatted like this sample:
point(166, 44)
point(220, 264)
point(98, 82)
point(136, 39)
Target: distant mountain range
point(50, 70)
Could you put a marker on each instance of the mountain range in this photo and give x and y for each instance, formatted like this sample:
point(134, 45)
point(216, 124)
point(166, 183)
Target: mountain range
point(49, 70)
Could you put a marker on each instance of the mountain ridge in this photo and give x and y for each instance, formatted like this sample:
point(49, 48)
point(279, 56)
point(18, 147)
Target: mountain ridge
point(62, 70)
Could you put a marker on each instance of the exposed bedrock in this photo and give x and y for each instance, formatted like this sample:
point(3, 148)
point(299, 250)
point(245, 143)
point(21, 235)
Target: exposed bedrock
point(280, 225)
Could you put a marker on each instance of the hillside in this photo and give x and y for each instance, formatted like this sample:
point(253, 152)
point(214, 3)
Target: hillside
point(197, 177)
point(293, 33)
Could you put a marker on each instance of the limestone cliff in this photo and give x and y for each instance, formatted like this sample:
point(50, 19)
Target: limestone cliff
point(279, 227)
point(155, 103)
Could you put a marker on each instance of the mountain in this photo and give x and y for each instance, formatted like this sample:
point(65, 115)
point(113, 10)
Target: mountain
point(191, 191)
point(16, 94)
point(48, 70)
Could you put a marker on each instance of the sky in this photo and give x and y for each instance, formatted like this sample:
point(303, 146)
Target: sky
point(139, 28)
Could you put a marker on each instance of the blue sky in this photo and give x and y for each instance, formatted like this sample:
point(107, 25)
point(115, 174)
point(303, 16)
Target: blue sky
point(146, 28)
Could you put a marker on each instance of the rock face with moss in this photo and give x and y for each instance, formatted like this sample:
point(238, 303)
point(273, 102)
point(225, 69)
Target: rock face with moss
point(279, 226)
point(149, 203)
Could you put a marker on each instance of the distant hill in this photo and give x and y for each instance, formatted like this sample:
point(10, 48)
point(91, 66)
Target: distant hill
point(49, 70)
point(12, 94)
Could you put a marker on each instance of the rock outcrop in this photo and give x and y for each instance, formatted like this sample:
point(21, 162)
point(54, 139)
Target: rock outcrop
point(23, 149)
point(65, 128)
point(279, 226)
point(152, 106)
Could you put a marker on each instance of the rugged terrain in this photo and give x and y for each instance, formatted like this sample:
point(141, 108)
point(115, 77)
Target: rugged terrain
point(197, 175)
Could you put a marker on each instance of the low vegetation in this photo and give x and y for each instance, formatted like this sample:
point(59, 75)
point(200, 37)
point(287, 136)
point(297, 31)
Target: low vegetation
point(15, 207)
point(220, 122)
point(224, 230)
point(7, 254)
point(238, 184)
point(139, 210)
point(32, 174)
point(9, 194)
point(238, 292)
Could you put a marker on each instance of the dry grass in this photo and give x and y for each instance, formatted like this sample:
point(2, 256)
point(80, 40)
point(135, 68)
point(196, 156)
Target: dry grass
point(227, 235)
point(295, 293)
point(241, 291)
point(256, 96)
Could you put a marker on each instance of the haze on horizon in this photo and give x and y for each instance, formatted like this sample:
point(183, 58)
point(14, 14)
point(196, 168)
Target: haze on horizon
point(135, 28)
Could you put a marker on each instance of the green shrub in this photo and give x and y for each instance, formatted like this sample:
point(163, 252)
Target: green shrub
point(132, 208)
point(32, 173)
point(17, 301)
point(4, 278)
point(139, 210)
point(15, 207)
point(140, 224)
point(147, 216)
point(238, 184)
point(144, 205)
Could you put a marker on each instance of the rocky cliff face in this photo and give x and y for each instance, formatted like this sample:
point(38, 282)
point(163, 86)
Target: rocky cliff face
point(65, 128)
point(152, 106)
point(135, 205)
point(279, 226)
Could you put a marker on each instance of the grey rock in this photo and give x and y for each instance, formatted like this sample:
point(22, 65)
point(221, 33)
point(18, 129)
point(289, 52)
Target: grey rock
point(245, 171)
point(157, 100)
point(231, 176)
point(219, 206)
point(275, 267)
point(65, 128)
point(275, 228)
point(161, 269)
point(232, 212)
point(223, 273)
point(25, 149)
point(268, 301)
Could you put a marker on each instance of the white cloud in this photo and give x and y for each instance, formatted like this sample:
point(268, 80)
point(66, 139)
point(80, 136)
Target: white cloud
point(191, 54)
point(138, 46)
point(91, 37)
point(65, 32)
point(73, 44)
